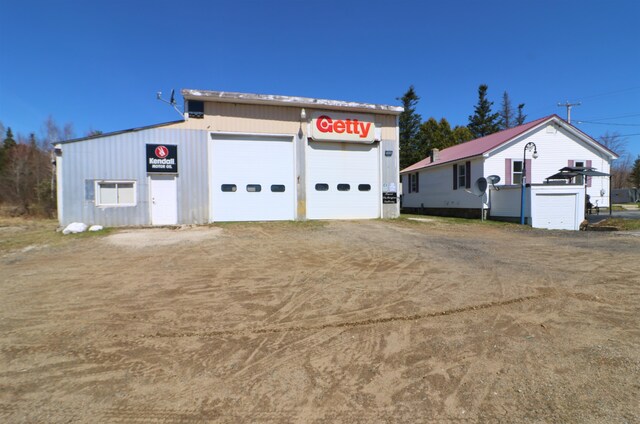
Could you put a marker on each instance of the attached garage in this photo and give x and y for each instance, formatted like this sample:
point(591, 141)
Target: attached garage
point(556, 207)
point(237, 157)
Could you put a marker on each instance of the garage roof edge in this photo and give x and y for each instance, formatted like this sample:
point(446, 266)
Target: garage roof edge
point(278, 100)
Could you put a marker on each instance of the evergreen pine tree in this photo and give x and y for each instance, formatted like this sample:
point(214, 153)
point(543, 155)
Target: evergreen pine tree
point(9, 142)
point(506, 113)
point(520, 117)
point(409, 122)
point(483, 122)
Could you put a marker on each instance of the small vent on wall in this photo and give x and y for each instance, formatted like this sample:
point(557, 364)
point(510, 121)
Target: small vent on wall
point(551, 129)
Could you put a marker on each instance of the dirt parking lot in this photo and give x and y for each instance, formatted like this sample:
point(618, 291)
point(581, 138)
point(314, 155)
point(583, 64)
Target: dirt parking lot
point(321, 322)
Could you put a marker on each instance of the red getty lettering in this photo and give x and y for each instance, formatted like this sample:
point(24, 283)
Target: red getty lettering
point(326, 125)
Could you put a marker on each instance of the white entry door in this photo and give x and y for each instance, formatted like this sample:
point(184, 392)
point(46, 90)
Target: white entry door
point(164, 200)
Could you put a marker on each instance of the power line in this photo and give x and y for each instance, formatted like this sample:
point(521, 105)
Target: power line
point(612, 117)
point(607, 123)
point(623, 90)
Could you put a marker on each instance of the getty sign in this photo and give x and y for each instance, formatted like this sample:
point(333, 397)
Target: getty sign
point(333, 126)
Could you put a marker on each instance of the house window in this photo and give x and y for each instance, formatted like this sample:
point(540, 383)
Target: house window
point(516, 174)
point(116, 193)
point(415, 183)
point(579, 178)
point(195, 109)
point(462, 175)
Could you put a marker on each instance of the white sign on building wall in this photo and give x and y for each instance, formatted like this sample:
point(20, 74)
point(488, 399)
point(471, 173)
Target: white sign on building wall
point(335, 126)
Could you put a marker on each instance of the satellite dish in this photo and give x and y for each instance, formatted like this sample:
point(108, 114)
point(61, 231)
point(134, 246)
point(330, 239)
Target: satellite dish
point(493, 180)
point(480, 186)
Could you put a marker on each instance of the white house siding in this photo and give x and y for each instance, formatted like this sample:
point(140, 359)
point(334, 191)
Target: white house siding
point(435, 188)
point(505, 203)
point(556, 147)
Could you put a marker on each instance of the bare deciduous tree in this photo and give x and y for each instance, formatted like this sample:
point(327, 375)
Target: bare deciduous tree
point(621, 167)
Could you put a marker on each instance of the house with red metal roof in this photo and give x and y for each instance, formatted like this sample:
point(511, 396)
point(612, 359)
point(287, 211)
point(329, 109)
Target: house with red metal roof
point(443, 183)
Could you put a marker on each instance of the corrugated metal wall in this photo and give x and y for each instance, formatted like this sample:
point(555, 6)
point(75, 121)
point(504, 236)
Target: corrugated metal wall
point(123, 157)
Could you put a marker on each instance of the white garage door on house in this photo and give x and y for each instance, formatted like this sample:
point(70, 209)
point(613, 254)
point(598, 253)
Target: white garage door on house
point(343, 180)
point(252, 178)
point(555, 211)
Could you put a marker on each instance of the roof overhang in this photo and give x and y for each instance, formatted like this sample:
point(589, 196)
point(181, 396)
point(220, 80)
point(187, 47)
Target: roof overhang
point(561, 123)
point(277, 100)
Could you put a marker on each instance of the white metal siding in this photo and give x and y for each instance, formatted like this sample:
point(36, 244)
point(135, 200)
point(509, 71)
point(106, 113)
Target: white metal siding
point(342, 163)
point(122, 157)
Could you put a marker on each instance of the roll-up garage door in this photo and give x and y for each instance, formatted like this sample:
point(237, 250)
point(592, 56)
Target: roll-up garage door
point(555, 212)
point(343, 181)
point(252, 178)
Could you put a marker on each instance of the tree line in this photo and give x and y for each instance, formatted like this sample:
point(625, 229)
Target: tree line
point(27, 174)
point(418, 139)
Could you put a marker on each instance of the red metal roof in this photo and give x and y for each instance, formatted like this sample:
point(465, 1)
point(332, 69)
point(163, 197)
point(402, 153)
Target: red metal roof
point(478, 146)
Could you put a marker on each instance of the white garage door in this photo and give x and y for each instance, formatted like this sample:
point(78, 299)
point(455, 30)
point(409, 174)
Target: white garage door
point(555, 212)
point(343, 181)
point(252, 178)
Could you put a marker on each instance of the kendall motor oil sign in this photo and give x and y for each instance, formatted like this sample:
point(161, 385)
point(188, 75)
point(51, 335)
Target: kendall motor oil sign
point(162, 158)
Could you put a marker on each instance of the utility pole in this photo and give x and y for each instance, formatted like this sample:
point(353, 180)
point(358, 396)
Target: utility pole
point(569, 106)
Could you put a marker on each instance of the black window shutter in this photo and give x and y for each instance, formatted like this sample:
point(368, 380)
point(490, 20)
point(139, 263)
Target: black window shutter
point(455, 176)
point(468, 174)
point(417, 182)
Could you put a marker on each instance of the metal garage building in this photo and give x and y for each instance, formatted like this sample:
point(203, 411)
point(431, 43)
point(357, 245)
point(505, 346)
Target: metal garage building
point(237, 157)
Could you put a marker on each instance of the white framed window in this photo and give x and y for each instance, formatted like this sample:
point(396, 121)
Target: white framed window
point(579, 178)
point(462, 175)
point(516, 172)
point(115, 193)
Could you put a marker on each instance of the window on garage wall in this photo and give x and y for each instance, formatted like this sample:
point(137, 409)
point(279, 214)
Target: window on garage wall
point(115, 193)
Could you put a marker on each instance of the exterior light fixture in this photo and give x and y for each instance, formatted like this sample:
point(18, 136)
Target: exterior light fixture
point(523, 181)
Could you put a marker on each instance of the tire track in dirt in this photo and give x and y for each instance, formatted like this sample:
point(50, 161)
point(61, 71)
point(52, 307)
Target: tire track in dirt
point(353, 324)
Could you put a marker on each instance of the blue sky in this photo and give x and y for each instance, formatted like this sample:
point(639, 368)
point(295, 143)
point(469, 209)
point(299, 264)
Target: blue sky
point(98, 64)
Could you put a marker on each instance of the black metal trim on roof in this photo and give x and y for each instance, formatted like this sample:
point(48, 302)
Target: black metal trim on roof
point(110, 134)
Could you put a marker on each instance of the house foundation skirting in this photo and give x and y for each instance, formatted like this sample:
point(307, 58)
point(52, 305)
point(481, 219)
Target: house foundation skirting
point(452, 212)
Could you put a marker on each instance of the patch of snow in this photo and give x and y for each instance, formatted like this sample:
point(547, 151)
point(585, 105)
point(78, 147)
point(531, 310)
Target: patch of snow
point(75, 227)
point(96, 228)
